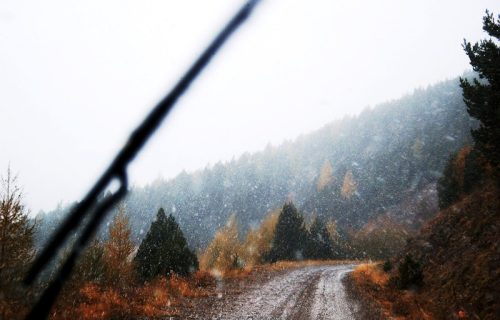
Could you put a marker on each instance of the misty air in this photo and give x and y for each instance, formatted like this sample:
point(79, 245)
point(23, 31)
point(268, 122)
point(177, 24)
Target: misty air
point(253, 159)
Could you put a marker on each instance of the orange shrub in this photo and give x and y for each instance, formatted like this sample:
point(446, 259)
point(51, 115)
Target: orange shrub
point(102, 303)
point(186, 287)
point(203, 279)
point(258, 242)
point(371, 272)
point(155, 299)
point(226, 254)
point(222, 253)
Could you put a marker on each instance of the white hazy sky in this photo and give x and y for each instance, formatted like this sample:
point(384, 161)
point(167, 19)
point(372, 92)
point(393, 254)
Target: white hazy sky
point(77, 76)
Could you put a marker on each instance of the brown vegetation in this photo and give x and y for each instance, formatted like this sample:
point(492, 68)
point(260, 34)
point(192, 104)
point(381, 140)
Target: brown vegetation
point(16, 248)
point(226, 253)
point(222, 254)
point(287, 265)
point(258, 242)
point(117, 251)
point(157, 299)
point(458, 254)
point(373, 286)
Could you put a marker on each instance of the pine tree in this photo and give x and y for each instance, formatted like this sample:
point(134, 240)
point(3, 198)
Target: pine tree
point(319, 243)
point(482, 96)
point(117, 250)
point(164, 250)
point(462, 173)
point(16, 246)
point(290, 237)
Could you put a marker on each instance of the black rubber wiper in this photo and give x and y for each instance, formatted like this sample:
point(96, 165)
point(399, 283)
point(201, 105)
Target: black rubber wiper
point(89, 207)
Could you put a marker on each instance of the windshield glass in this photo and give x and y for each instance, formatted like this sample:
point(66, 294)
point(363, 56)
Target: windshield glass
point(313, 160)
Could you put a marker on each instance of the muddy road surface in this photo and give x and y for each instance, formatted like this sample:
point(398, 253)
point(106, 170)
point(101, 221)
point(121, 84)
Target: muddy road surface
point(314, 292)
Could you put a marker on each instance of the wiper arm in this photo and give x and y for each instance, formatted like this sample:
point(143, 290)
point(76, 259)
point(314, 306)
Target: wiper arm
point(89, 207)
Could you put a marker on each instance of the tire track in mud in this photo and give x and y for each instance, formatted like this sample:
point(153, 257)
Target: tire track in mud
point(330, 301)
point(304, 304)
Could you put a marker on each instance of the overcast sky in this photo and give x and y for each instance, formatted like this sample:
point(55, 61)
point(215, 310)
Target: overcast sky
point(77, 76)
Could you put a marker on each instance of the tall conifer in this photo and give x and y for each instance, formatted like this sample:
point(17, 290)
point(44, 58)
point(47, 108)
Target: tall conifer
point(164, 250)
point(290, 237)
point(482, 96)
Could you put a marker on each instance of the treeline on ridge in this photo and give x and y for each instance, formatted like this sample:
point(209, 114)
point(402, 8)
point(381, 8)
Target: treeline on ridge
point(351, 171)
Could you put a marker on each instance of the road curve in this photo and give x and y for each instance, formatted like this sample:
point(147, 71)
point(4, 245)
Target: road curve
point(315, 292)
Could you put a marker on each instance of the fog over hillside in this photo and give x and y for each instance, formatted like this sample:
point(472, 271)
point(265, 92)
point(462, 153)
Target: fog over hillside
point(351, 171)
point(82, 77)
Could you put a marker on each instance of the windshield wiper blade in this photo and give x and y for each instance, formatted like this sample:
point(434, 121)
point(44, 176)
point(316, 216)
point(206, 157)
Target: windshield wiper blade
point(89, 206)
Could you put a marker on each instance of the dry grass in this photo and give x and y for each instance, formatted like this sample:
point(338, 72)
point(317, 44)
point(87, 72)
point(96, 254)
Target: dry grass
point(239, 273)
point(277, 266)
point(203, 279)
point(153, 300)
point(284, 265)
point(157, 299)
point(199, 285)
point(371, 273)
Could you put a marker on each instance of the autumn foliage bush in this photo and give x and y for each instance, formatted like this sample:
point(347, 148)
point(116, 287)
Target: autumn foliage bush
point(258, 242)
point(223, 253)
point(372, 285)
point(227, 254)
point(372, 273)
point(103, 303)
point(193, 287)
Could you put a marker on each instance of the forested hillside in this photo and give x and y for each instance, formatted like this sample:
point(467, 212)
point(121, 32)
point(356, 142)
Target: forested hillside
point(351, 171)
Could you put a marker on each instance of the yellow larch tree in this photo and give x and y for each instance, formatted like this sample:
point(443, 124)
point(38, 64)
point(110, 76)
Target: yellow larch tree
point(325, 176)
point(118, 249)
point(349, 186)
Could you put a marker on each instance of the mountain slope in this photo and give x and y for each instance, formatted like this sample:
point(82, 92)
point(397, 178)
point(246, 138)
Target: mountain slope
point(459, 254)
point(351, 170)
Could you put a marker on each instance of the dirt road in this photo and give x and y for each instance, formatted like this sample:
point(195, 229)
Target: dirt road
point(307, 293)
